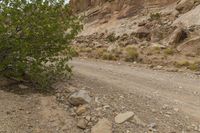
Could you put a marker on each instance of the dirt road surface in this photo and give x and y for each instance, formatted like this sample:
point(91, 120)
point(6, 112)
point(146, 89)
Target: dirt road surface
point(144, 90)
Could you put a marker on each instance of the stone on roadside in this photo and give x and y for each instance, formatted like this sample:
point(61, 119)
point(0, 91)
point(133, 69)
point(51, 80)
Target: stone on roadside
point(138, 121)
point(122, 117)
point(82, 123)
point(81, 109)
point(103, 126)
point(79, 98)
point(152, 125)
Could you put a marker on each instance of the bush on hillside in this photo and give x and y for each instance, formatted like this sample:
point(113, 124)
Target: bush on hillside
point(131, 54)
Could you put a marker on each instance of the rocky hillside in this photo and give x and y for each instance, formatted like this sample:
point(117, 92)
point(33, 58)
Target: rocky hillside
point(104, 9)
point(156, 32)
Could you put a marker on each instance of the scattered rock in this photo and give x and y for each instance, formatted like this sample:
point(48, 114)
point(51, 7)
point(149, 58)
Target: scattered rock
point(122, 117)
point(88, 118)
point(103, 126)
point(82, 123)
point(143, 23)
point(79, 98)
point(138, 121)
point(176, 109)
point(165, 106)
point(81, 109)
point(157, 45)
point(175, 13)
point(152, 125)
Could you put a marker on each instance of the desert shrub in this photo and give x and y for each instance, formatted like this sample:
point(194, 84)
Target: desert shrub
point(75, 52)
point(86, 50)
point(155, 16)
point(34, 38)
point(182, 64)
point(154, 50)
point(194, 66)
point(169, 51)
point(99, 52)
point(108, 56)
point(131, 54)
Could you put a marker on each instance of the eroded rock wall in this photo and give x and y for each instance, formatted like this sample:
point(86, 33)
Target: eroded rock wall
point(94, 9)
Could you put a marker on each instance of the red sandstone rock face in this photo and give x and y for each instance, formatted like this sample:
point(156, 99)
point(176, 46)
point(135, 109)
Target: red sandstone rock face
point(97, 9)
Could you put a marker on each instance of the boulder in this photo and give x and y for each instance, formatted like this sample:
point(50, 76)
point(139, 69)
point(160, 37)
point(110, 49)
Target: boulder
point(82, 123)
point(79, 98)
point(142, 23)
point(103, 126)
point(122, 117)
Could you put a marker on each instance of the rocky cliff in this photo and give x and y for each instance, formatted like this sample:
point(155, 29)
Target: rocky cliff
point(98, 9)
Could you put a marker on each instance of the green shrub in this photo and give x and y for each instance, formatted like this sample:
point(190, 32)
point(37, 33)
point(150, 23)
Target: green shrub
point(75, 52)
point(108, 56)
point(86, 50)
point(182, 64)
point(194, 66)
point(155, 16)
point(34, 38)
point(169, 51)
point(156, 50)
point(131, 54)
point(99, 52)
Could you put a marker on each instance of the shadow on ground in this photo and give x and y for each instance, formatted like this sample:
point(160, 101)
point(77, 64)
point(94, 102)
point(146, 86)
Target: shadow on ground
point(12, 86)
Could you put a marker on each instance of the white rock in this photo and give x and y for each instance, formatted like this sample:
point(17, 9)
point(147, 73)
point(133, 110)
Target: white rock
point(103, 126)
point(122, 117)
point(79, 98)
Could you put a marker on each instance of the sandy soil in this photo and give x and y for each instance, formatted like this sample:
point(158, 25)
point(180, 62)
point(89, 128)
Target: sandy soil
point(27, 111)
